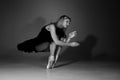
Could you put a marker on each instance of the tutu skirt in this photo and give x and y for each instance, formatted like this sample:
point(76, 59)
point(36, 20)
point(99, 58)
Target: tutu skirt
point(33, 45)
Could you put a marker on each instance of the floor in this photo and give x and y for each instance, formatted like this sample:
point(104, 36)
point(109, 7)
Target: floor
point(33, 67)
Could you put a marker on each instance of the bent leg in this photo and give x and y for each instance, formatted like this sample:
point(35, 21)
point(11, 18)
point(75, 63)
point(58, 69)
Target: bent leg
point(59, 48)
point(51, 57)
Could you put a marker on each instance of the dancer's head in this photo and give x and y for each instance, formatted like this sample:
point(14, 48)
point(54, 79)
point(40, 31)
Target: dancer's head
point(64, 21)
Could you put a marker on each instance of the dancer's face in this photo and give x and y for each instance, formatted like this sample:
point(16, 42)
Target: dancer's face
point(66, 22)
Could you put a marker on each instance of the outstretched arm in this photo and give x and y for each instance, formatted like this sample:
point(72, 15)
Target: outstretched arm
point(70, 36)
point(57, 41)
point(54, 37)
point(66, 40)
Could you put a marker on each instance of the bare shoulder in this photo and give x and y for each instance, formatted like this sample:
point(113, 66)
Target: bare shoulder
point(48, 27)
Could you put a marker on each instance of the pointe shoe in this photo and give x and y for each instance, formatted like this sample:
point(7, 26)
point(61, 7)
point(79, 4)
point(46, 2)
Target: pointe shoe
point(50, 62)
point(50, 65)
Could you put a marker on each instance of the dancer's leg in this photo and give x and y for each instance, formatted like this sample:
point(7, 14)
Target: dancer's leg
point(59, 48)
point(51, 57)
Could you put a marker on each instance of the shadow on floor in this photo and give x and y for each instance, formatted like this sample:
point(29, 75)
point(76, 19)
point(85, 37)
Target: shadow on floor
point(80, 53)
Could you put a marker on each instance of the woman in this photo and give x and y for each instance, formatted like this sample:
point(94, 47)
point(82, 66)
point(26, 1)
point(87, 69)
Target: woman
point(52, 37)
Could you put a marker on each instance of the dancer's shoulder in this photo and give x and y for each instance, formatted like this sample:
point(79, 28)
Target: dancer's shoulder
point(49, 26)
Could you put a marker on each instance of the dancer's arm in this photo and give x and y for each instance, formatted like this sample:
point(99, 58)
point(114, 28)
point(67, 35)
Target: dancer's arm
point(66, 40)
point(57, 41)
point(70, 36)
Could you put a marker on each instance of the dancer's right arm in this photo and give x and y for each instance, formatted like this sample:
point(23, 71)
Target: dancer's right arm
point(56, 40)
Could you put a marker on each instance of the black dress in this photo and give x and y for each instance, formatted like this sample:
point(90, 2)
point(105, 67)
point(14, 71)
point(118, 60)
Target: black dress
point(42, 41)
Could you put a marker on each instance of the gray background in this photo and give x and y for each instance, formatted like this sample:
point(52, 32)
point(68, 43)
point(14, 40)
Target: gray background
point(95, 20)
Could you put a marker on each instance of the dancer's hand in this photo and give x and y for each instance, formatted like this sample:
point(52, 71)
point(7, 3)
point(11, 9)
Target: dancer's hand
point(74, 44)
point(72, 34)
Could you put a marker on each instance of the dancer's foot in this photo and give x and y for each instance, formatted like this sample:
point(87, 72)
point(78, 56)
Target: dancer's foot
point(50, 62)
point(50, 65)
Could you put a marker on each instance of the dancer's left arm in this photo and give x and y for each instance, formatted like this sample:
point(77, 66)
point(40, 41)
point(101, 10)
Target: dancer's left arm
point(70, 36)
